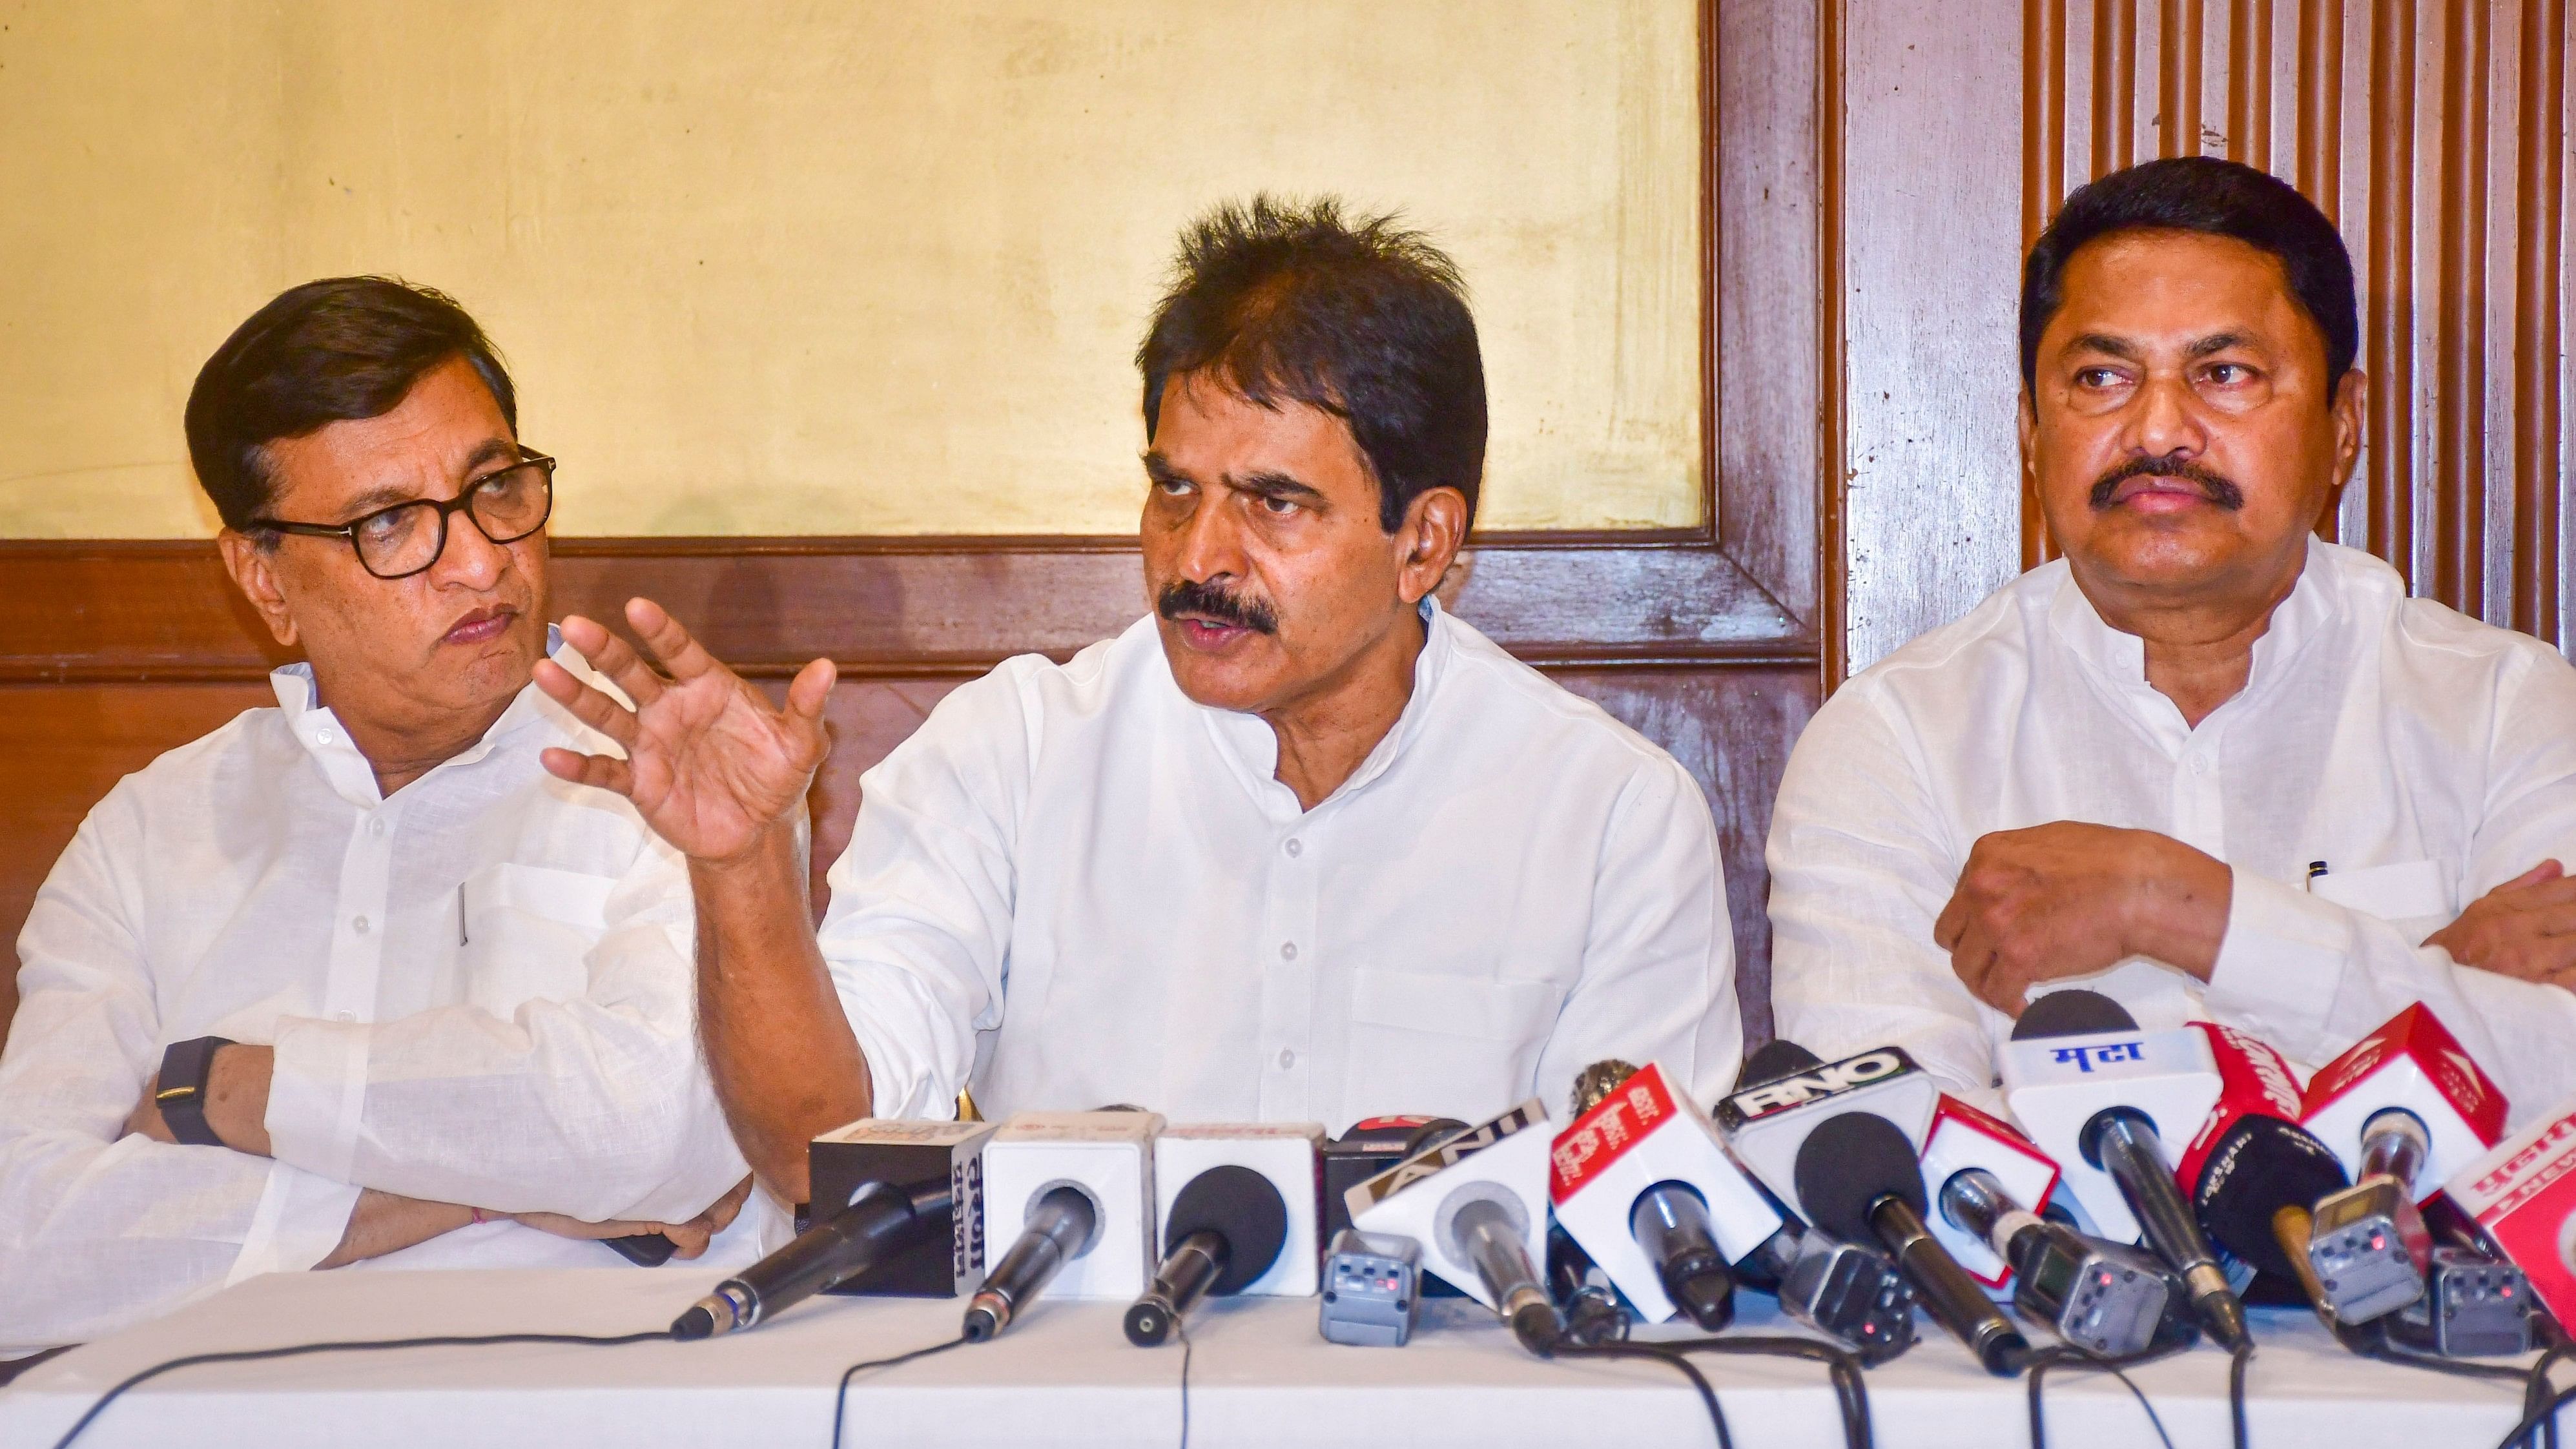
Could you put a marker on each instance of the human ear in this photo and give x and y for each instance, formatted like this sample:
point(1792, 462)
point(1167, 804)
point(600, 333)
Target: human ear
point(254, 570)
point(1434, 526)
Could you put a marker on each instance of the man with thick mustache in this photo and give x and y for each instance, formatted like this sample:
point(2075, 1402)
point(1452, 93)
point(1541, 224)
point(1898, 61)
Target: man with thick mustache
point(1298, 845)
point(353, 980)
point(2229, 768)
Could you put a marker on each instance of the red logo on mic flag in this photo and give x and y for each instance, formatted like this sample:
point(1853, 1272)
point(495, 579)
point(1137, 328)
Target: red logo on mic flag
point(1599, 1137)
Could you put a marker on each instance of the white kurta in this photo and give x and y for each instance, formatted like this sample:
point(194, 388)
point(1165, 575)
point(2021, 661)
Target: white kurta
point(2423, 756)
point(1097, 888)
point(479, 991)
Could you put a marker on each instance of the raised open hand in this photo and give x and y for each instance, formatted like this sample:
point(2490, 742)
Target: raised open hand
point(709, 763)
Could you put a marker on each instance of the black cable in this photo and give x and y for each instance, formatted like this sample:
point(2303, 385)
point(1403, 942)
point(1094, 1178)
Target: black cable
point(2076, 1356)
point(1851, 1392)
point(2537, 1387)
point(1182, 1329)
point(2533, 1419)
point(1566, 1348)
point(2237, 1360)
point(841, 1395)
point(250, 1355)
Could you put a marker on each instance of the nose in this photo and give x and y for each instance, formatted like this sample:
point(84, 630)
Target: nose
point(469, 559)
point(1211, 544)
point(2165, 421)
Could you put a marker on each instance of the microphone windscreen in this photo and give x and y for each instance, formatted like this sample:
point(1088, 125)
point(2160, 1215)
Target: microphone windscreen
point(2258, 1167)
point(1240, 1206)
point(2073, 1012)
point(1850, 1162)
point(1779, 1057)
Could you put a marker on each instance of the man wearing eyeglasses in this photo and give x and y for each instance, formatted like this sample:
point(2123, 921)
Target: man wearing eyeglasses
point(354, 980)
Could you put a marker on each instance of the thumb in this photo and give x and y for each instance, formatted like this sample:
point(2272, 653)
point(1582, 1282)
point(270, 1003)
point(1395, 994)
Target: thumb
point(811, 690)
point(2547, 870)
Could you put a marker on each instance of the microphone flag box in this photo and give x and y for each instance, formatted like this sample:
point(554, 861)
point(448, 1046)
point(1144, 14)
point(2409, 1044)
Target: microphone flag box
point(1640, 1136)
point(2523, 1193)
point(1765, 1125)
point(1963, 1137)
point(2254, 1080)
point(2056, 1084)
point(1371, 1146)
point(1509, 1152)
point(1110, 1157)
point(910, 1155)
point(1287, 1154)
point(2410, 1061)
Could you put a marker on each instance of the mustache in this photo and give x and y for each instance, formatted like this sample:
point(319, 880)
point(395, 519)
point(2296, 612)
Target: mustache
point(2220, 490)
point(1189, 596)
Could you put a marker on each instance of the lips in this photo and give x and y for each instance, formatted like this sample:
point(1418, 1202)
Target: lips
point(480, 627)
point(2160, 492)
point(1208, 634)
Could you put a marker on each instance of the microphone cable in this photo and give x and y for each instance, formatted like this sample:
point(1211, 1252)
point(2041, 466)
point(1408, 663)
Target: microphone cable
point(2239, 1359)
point(841, 1395)
point(2074, 1356)
point(367, 1345)
point(1183, 1330)
point(1851, 1393)
point(2539, 1388)
point(1660, 1353)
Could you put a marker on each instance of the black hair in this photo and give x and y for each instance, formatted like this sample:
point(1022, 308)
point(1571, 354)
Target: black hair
point(330, 351)
point(2215, 198)
point(1360, 318)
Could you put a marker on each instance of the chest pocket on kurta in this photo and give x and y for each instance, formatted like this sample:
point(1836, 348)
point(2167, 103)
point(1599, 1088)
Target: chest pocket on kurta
point(527, 931)
point(1478, 1039)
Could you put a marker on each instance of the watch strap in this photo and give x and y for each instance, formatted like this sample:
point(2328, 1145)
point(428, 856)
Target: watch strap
point(181, 1094)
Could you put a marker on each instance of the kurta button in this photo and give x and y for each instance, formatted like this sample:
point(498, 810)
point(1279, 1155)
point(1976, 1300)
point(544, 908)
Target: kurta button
point(2200, 764)
point(1287, 950)
point(359, 925)
point(376, 826)
point(1287, 1059)
point(323, 737)
point(1295, 849)
point(348, 1016)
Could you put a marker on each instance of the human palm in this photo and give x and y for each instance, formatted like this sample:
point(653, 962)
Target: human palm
point(710, 763)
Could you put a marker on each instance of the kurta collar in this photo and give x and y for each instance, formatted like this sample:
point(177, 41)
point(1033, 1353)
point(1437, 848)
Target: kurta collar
point(1252, 747)
point(353, 777)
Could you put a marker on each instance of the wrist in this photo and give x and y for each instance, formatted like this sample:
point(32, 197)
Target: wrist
point(2179, 913)
point(237, 1097)
point(772, 850)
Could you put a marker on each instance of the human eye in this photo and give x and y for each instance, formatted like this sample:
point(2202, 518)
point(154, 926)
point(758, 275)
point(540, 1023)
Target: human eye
point(2098, 377)
point(388, 528)
point(1278, 506)
point(2229, 374)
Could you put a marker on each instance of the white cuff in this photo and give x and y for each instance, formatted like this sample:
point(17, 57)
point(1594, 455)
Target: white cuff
point(299, 1220)
point(2280, 964)
point(317, 1094)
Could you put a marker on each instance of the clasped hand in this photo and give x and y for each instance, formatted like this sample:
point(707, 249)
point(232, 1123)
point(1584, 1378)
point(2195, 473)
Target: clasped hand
point(2069, 899)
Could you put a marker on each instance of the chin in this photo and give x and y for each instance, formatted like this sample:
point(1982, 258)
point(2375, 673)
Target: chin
point(1240, 685)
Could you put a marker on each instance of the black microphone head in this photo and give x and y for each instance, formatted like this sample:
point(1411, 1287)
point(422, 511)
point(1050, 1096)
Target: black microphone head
point(1779, 1057)
point(1240, 1206)
point(2258, 1167)
point(1850, 1163)
point(2072, 1012)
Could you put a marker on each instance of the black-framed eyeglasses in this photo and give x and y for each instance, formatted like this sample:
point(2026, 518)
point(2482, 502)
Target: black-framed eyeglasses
point(507, 504)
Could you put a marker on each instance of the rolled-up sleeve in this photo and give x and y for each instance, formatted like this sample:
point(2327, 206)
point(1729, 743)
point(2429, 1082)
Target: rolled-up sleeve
point(919, 926)
point(592, 1103)
point(99, 1230)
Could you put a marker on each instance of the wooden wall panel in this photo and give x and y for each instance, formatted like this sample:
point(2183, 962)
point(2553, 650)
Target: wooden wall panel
point(2435, 132)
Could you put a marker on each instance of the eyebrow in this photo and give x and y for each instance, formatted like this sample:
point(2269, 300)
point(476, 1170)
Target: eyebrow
point(2218, 342)
point(1276, 485)
point(489, 451)
point(2106, 343)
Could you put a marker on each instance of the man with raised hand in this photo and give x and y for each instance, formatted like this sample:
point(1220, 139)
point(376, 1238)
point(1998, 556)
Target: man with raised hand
point(1297, 845)
point(353, 979)
point(2229, 768)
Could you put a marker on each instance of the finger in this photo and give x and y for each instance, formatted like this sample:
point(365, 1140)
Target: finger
point(584, 634)
point(625, 668)
point(600, 771)
point(1952, 923)
point(681, 654)
point(2554, 922)
point(2553, 891)
point(811, 690)
point(2546, 870)
point(592, 707)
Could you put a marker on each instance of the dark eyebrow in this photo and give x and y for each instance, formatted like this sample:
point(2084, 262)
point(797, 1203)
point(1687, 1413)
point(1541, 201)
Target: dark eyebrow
point(2104, 342)
point(492, 450)
point(2218, 342)
point(1159, 469)
point(487, 452)
point(1277, 485)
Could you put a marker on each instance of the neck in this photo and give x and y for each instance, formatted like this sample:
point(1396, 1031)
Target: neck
point(402, 750)
point(2199, 647)
point(1325, 734)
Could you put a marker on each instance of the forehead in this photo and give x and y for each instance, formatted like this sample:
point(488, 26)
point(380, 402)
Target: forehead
point(447, 424)
point(2177, 284)
point(1208, 430)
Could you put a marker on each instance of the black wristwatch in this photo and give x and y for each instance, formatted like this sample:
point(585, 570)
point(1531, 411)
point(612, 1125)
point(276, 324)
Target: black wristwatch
point(182, 1092)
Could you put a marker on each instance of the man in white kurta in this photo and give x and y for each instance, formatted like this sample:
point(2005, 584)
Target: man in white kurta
point(452, 992)
point(2205, 763)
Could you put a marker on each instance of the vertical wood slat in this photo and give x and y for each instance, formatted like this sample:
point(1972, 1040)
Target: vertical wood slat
point(2389, 330)
point(2115, 81)
point(2249, 83)
point(2178, 50)
point(2460, 329)
point(2540, 179)
point(2318, 169)
point(2043, 187)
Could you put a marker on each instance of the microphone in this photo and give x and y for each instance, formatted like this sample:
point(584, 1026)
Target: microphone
point(1858, 1175)
point(2522, 1194)
point(2250, 1158)
point(1964, 1139)
point(1842, 1290)
point(1226, 1229)
point(1477, 1203)
point(2410, 1062)
point(880, 1220)
point(2106, 1298)
point(1371, 1146)
point(1642, 1182)
point(1071, 1190)
point(2368, 1243)
point(2094, 1089)
point(1062, 1225)
point(1767, 1124)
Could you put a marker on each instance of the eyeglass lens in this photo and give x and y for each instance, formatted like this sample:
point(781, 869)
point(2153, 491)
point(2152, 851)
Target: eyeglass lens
point(507, 506)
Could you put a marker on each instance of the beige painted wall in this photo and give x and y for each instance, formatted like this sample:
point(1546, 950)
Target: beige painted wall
point(842, 268)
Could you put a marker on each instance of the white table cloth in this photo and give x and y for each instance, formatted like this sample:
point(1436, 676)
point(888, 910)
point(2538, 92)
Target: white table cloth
point(1066, 1375)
